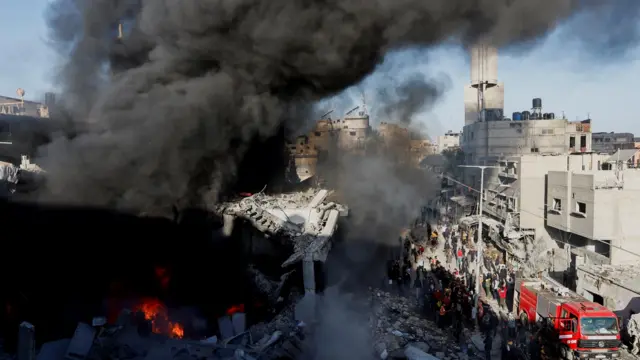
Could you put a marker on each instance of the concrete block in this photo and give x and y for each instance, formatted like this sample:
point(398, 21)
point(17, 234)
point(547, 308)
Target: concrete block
point(225, 326)
point(81, 342)
point(54, 350)
point(26, 341)
point(239, 322)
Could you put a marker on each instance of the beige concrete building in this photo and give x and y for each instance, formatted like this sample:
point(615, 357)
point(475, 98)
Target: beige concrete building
point(305, 155)
point(514, 192)
point(447, 141)
point(354, 131)
point(493, 139)
point(523, 152)
point(418, 150)
point(19, 106)
point(598, 209)
point(393, 134)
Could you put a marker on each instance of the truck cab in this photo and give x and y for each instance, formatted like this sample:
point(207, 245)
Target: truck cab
point(588, 331)
point(577, 328)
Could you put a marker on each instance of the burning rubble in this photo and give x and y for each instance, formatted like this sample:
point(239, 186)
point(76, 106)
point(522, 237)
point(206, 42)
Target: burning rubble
point(156, 312)
point(293, 227)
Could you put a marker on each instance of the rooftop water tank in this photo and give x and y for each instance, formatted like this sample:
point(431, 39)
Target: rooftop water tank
point(526, 115)
point(552, 116)
point(537, 103)
point(517, 116)
point(535, 116)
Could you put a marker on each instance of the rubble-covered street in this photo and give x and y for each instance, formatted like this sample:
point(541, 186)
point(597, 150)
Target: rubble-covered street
point(399, 328)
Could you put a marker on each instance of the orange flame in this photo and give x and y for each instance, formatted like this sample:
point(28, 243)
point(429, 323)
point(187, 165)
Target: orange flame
point(156, 312)
point(235, 309)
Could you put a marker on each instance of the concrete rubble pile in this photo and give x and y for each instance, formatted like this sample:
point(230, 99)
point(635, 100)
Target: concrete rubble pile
point(132, 339)
point(399, 333)
point(304, 218)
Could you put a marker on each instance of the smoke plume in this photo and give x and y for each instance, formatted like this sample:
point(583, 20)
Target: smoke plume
point(169, 112)
point(401, 103)
point(193, 83)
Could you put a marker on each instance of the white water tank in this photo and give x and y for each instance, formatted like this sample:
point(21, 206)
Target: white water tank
point(484, 64)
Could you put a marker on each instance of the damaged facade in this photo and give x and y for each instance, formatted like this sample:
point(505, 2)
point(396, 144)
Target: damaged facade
point(355, 135)
point(615, 286)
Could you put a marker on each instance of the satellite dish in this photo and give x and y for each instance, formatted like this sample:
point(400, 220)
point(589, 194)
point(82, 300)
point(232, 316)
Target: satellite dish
point(20, 92)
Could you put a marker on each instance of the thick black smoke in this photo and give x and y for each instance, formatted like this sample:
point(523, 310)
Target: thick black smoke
point(402, 102)
point(196, 81)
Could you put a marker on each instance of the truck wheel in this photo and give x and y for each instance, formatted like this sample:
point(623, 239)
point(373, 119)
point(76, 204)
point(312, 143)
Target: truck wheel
point(567, 353)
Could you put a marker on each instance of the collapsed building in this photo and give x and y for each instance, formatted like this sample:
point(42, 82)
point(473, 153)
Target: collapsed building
point(304, 219)
point(261, 252)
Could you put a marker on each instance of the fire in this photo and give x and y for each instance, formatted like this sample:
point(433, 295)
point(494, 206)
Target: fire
point(156, 312)
point(235, 309)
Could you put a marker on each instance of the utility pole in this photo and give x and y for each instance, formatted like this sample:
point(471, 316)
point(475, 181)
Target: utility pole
point(480, 243)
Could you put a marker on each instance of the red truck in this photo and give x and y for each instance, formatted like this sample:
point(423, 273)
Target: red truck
point(575, 327)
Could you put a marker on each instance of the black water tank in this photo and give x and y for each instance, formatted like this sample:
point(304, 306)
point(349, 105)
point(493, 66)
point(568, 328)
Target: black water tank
point(535, 116)
point(526, 115)
point(552, 116)
point(537, 103)
point(545, 116)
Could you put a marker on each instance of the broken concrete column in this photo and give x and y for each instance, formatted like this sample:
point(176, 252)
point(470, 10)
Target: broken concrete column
point(225, 326)
point(306, 308)
point(309, 275)
point(26, 342)
point(227, 228)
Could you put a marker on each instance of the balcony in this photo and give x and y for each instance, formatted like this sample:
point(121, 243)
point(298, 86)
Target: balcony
point(508, 173)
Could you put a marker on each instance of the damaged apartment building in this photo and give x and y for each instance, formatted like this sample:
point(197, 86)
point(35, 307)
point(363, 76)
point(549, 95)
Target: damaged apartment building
point(352, 134)
point(594, 210)
point(553, 200)
point(519, 154)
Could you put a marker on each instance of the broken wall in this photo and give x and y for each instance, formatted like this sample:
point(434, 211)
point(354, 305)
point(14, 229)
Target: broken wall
point(621, 298)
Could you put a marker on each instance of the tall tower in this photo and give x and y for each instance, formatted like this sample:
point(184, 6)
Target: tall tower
point(484, 96)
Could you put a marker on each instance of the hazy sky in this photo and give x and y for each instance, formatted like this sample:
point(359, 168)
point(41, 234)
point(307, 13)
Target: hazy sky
point(566, 79)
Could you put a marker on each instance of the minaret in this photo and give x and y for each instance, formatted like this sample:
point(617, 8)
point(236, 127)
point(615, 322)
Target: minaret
point(484, 96)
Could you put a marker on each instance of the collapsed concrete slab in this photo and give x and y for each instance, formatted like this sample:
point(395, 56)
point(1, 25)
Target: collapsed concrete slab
point(305, 219)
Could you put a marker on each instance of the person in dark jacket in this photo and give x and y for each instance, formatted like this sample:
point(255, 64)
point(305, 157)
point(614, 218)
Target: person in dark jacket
point(509, 351)
point(390, 272)
point(534, 348)
point(488, 345)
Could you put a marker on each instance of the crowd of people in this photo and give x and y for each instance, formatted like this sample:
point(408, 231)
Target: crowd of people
point(446, 290)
